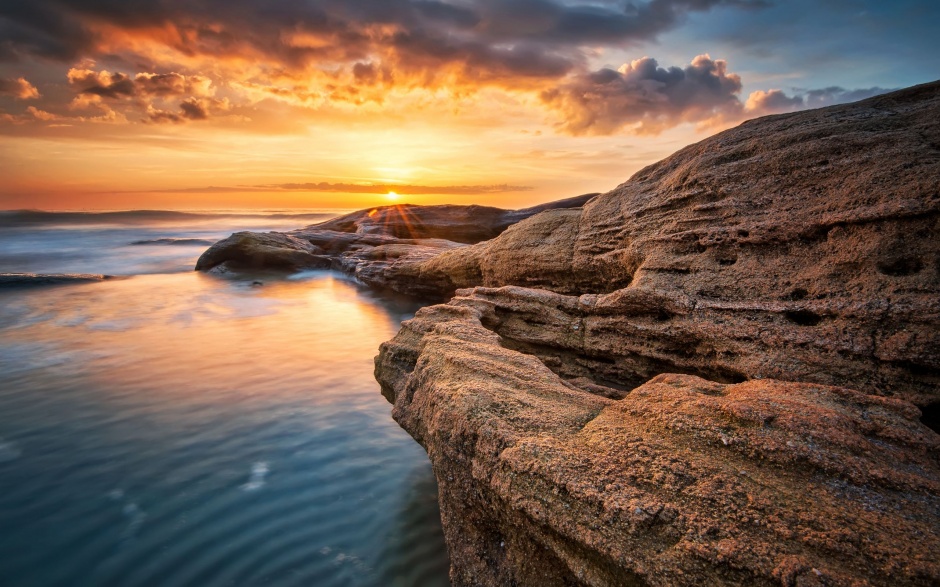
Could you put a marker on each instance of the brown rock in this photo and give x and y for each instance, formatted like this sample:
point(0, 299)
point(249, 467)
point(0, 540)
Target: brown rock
point(683, 481)
point(383, 247)
point(266, 250)
point(704, 376)
point(801, 247)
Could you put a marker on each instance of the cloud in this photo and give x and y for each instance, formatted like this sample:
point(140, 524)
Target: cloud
point(18, 88)
point(41, 114)
point(102, 83)
point(771, 102)
point(191, 109)
point(159, 98)
point(34, 114)
point(331, 54)
point(646, 97)
point(366, 188)
point(836, 95)
point(760, 103)
point(423, 41)
point(118, 85)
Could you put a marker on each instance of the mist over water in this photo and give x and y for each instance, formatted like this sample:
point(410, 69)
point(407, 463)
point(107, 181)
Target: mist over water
point(126, 243)
point(179, 429)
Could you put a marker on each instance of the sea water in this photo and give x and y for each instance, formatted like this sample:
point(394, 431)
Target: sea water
point(171, 428)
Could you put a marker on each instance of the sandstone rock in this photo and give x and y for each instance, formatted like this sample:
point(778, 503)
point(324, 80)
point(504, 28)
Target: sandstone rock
point(705, 376)
point(268, 250)
point(802, 247)
point(683, 481)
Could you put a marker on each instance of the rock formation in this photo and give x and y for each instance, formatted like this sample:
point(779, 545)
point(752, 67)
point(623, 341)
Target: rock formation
point(380, 246)
point(705, 376)
point(717, 373)
point(680, 481)
point(18, 280)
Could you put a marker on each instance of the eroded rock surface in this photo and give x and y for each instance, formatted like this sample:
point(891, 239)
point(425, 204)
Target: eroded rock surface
point(709, 375)
point(681, 481)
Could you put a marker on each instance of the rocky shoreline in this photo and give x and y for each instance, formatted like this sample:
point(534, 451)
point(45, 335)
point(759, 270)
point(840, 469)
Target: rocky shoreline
point(724, 371)
point(384, 247)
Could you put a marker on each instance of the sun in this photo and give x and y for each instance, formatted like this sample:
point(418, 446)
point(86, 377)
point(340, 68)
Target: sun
point(391, 196)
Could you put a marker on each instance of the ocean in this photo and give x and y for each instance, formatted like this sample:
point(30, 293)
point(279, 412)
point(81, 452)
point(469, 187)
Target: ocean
point(170, 428)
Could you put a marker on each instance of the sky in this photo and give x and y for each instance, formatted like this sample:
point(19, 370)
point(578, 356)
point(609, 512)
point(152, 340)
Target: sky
point(200, 104)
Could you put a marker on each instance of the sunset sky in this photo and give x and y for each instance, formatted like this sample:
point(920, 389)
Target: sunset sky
point(180, 104)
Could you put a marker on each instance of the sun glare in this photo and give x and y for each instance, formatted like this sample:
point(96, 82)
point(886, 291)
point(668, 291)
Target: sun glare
point(391, 196)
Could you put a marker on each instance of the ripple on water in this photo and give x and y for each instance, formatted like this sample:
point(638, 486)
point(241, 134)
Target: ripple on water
point(216, 435)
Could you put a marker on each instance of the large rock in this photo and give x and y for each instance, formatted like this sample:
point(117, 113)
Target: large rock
point(802, 247)
point(264, 250)
point(705, 376)
point(681, 481)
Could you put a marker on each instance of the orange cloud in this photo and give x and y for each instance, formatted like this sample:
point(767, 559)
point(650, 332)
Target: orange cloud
point(18, 88)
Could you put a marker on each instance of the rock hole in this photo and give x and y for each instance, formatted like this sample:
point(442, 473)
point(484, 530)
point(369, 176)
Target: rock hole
point(803, 317)
point(797, 294)
point(901, 266)
point(664, 316)
point(930, 416)
point(744, 233)
point(726, 261)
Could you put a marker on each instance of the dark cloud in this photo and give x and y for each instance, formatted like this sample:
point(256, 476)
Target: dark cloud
point(194, 109)
point(119, 85)
point(171, 84)
point(18, 88)
point(645, 96)
point(836, 95)
point(649, 99)
point(159, 98)
point(104, 84)
point(576, 23)
point(486, 38)
point(191, 109)
point(776, 101)
point(353, 51)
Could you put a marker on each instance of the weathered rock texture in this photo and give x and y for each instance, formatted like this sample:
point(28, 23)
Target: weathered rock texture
point(382, 247)
point(683, 481)
point(705, 376)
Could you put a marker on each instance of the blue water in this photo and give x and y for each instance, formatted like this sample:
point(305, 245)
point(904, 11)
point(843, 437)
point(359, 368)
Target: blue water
point(176, 429)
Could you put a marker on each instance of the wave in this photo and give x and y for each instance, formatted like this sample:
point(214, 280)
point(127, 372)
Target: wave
point(16, 280)
point(20, 217)
point(175, 241)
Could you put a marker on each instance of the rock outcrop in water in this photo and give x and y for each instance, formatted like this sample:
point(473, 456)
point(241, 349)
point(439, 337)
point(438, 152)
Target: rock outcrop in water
point(708, 375)
point(19, 280)
point(383, 247)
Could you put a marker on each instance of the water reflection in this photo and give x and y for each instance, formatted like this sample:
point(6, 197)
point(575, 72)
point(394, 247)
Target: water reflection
point(186, 430)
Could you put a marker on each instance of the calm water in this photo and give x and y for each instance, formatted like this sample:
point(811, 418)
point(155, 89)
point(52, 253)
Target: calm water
point(177, 429)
